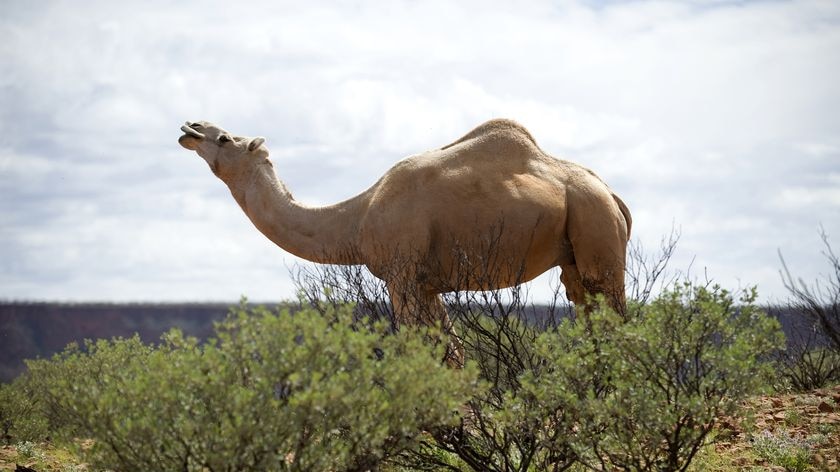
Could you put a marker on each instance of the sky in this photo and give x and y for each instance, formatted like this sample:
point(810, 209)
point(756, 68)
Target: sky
point(718, 118)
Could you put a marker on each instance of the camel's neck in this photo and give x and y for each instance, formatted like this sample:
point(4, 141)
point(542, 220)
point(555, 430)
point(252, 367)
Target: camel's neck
point(326, 235)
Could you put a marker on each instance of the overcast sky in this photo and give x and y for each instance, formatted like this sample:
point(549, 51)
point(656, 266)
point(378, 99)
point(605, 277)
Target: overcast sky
point(720, 118)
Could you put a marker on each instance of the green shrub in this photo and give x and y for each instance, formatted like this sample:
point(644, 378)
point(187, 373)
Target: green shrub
point(21, 418)
point(271, 392)
point(78, 378)
point(635, 392)
point(502, 430)
point(645, 392)
point(315, 391)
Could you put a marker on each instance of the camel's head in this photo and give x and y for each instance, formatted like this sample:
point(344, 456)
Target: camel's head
point(226, 154)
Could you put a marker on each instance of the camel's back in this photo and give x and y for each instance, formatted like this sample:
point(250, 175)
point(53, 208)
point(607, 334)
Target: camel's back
point(496, 129)
point(492, 150)
point(494, 167)
point(492, 156)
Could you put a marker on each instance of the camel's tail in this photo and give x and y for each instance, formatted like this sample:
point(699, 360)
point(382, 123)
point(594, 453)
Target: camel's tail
point(625, 212)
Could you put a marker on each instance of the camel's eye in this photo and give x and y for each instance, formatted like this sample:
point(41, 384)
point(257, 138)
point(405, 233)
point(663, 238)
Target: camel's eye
point(223, 138)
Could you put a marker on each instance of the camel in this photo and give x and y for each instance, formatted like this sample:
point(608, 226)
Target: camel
point(435, 213)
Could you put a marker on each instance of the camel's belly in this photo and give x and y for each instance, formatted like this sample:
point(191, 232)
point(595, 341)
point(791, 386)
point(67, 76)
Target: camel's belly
point(497, 257)
point(499, 277)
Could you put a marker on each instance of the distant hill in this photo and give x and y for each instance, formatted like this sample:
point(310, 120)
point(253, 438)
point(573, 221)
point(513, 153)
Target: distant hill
point(32, 330)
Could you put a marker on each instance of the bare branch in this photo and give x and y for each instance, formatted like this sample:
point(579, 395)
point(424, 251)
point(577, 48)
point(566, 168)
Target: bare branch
point(647, 273)
point(819, 301)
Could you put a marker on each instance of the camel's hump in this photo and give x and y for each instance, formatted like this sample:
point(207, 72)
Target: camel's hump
point(497, 125)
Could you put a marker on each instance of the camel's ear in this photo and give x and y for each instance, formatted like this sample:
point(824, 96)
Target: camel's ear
point(255, 143)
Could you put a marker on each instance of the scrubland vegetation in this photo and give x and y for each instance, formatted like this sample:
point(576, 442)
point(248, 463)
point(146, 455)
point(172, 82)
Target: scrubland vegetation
point(680, 381)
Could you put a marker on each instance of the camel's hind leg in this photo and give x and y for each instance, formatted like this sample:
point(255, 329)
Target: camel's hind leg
point(597, 270)
point(608, 282)
point(413, 307)
point(596, 266)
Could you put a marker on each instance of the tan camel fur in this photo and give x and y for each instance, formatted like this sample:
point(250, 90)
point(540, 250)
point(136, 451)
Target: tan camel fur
point(492, 199)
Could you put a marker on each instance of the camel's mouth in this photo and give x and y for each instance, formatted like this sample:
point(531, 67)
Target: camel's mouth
point(191, 129)
point(191, 135)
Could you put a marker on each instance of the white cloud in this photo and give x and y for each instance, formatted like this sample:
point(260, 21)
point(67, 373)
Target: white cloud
point(719, 117)
point(806, 198)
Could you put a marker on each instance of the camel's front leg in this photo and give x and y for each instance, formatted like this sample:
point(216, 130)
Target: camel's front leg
point(415, 307)
point(455, 348)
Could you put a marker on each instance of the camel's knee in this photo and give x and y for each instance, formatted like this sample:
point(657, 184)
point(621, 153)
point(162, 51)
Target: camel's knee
point(454, 356)
point(399, 309)
point(418, 308)
point(430, 311)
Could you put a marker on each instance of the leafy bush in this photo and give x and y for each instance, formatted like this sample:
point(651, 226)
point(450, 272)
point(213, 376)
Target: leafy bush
point(637, 392)
point(21, 419)
point(271, 392)
point(679, 363)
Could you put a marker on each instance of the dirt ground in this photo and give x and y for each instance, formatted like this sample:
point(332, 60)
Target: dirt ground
point(780, 432)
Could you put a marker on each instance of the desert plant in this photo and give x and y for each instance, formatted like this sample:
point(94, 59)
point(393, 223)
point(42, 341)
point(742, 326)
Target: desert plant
point(604, 391)
point(327, 287)
point(29, 450)
point(21, 418)
point(499, 330)
point(498, 339)
point(646, 401)
point(805, 364)
point(783, 450)
point(611, 392)
point(819, 301)
point(648, 272)
point(272, 391)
